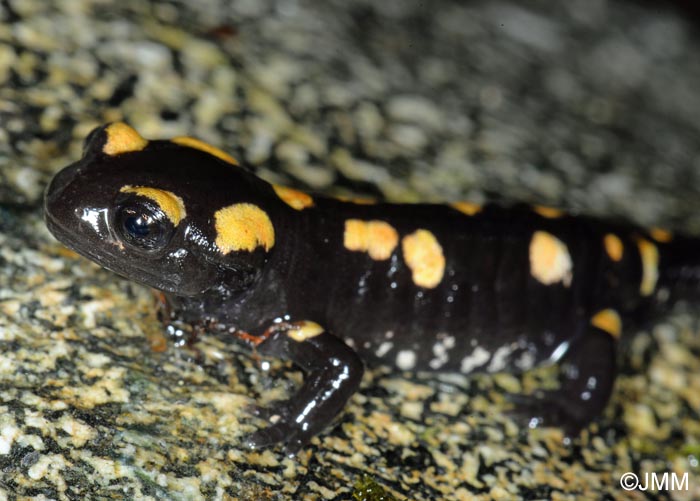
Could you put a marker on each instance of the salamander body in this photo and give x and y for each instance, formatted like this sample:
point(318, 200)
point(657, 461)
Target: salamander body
point(334, 284)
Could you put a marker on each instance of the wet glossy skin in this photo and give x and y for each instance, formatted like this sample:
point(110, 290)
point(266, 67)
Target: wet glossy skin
point(333, 285)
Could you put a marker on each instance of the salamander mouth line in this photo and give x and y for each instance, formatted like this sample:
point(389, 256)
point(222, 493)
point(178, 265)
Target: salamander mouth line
point(104, 258)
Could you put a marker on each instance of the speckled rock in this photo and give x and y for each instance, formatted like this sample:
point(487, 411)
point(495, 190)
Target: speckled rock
point(591, 106)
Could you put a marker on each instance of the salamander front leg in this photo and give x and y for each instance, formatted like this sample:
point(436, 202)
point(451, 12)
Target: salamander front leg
point(333, 372)
point(587, 376)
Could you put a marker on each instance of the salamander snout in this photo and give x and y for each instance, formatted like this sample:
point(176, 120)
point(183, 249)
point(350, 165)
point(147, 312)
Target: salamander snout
point(55, 203)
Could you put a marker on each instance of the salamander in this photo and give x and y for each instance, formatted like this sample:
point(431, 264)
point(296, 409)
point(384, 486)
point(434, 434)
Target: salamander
point(334, 285)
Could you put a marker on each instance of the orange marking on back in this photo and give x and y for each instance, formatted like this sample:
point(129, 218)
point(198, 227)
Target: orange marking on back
point(467, 208)
point(613, 247)
point(649, 254)
point(294, 198)
point(661, 235)
point(356, 200)
point(550, 261)
point(376, 238)
point(548, 212)
point(423, 255)
point(200, 145)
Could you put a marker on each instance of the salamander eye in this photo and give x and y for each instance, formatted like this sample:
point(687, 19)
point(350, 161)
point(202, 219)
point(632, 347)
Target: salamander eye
point(143, 226)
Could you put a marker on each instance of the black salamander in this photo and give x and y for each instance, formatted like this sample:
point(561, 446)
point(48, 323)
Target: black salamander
point(333, 284)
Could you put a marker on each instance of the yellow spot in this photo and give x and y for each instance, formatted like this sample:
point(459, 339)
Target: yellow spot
point(423, 255)
point(171, 205)
point(376, 238)
point(650, 266)
point(550, 261)
point(197, 144)
point(243, 227)
point(301, 331)
point(357, 200)
point(661, 235)
point(548, 212)
point(609, 321)
point(122, 139)
point(467, 208)
point(613, 246)
point(294, 198)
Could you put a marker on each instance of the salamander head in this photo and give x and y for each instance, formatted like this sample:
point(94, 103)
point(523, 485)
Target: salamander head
point(177, 215)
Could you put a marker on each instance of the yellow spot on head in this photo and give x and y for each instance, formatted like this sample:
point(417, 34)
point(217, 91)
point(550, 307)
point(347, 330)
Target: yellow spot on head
point(661, 235)
point(613, 247)
point(649, 254)
point(294, 198)
point(171, 205)
point(301, 331)
point(376, 238)
point(467, 208)
point(122, 139)
point(197, 144)
point(423, 255)
point(550, 261)
point(548, 212)
point(609, 321)
point(243, 227)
